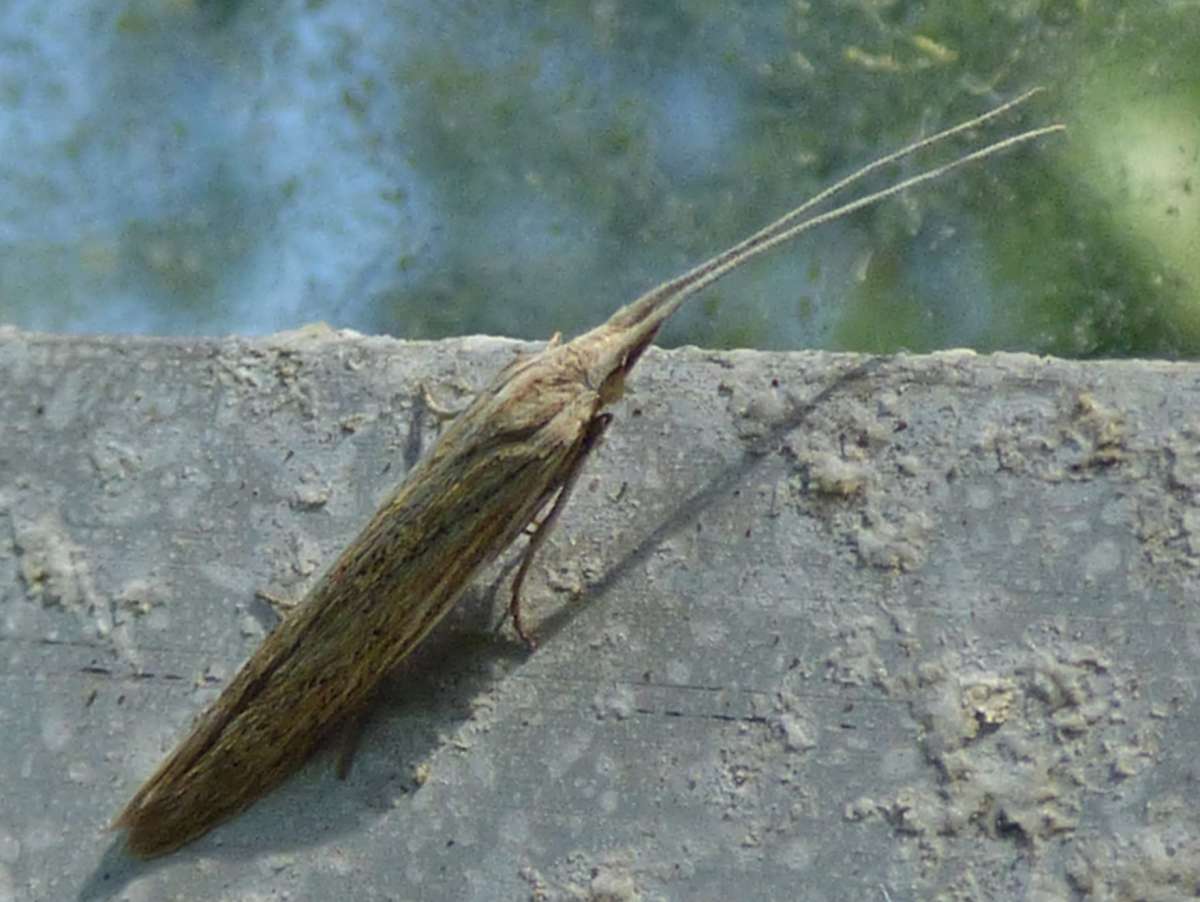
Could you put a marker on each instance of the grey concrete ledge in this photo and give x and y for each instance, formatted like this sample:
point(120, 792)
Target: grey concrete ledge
point(814, 626)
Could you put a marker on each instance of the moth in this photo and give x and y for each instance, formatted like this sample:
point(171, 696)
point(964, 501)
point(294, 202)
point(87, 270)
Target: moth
point(515, 453)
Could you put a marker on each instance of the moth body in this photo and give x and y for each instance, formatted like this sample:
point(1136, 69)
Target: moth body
point(518, 446)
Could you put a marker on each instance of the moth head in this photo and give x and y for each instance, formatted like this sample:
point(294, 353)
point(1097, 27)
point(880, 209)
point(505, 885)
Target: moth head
point(607, 356)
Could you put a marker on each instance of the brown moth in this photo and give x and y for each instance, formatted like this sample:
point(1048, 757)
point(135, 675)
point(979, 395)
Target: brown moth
point(518, 447)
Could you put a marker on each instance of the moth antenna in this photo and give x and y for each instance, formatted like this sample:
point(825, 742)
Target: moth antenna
point(653, 308)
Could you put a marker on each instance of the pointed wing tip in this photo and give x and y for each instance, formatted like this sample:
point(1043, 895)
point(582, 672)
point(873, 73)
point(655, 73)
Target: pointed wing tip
point(143, 841)
point(143, 837)
point(125, 818)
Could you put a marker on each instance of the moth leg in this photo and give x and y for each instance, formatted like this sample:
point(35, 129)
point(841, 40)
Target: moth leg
point(442, 414)
point(280, 605)
point(595, 432)
point(349, 738)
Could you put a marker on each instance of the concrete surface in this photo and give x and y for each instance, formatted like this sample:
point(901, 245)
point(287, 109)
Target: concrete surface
point(814, 626)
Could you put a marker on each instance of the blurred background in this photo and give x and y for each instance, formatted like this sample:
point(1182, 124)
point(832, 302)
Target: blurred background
point(424, 170)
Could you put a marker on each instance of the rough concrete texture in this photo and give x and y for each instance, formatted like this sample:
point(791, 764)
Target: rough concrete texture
point(814, 626)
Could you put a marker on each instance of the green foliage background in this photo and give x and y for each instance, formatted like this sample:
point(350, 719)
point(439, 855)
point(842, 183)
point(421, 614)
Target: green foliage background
point(527, 168)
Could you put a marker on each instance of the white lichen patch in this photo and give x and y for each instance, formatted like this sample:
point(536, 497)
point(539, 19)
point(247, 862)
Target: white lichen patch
point(55, 573)
point(52, 567)
point(616, 701)
point(1098, 430)
point(584, 877)
point(896, 544)
point(858, 477)
point(856, 659)
point(1016, 753)
point(830, 475)
point(1157, 858)
point(115, 463)
point(138, 598)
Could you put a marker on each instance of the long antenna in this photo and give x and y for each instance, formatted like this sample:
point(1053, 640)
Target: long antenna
point(653, 308)
point(907, 150)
